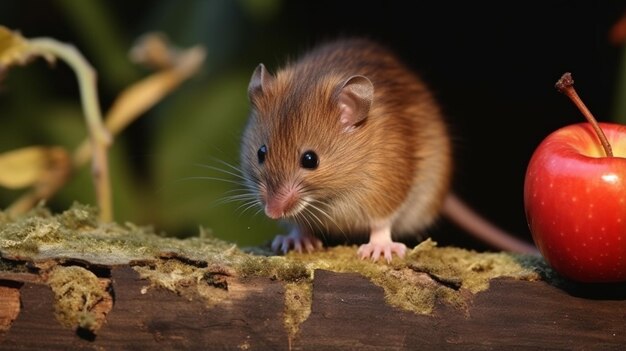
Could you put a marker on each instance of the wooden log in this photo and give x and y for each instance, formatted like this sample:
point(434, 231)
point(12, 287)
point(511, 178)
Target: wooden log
point(510, 315)
point(68, 282)
point(348, 312)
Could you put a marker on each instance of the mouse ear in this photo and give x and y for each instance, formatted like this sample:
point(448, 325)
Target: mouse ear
point(259, 82)
point(355, 99)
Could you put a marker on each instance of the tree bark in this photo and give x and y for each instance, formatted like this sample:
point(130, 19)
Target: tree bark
point(347, 312)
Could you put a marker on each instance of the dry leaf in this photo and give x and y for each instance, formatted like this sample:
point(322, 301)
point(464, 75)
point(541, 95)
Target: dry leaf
point(31, 165)
point(154, 51)
point(141, 96)
point(15, 49)
point(47, 169)
point(144, 94)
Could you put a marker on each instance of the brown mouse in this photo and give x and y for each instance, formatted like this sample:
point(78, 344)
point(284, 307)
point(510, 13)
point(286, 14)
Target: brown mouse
point(348, 141)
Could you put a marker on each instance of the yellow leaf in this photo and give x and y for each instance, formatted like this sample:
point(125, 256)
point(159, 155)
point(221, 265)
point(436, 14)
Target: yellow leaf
point(136, 99)
point(154, 51)
point(30, 165)
point(14, 48)
point(141, 96)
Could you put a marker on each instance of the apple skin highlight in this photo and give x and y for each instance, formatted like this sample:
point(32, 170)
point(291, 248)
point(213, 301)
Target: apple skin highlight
point(575, 203)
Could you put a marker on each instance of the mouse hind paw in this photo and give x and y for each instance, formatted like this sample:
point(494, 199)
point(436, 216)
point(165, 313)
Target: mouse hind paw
point(386, 250)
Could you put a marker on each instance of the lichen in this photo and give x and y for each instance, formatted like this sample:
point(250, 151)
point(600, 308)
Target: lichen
point(186, 280)
point(40, 235)
point(77, 293)
point(298, 299)
point(274, 267)
point(428, 274)
point(472, 270)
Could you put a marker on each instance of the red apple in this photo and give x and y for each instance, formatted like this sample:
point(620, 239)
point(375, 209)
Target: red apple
point(575, 202)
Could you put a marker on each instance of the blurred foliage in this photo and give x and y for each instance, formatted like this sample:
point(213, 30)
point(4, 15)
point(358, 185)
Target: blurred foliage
point(157, 163)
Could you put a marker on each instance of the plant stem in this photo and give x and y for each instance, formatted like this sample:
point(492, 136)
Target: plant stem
point(99, 136)
point(565, 85)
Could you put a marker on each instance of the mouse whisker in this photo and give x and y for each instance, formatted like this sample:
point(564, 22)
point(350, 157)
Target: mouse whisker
point(302, 219)
point(248, 205)
point(230, 165)
point(307, 213)
point(230, 181)
point(259, 210)
point(237, 198)
point(318, 209)
point(227, 164)
point(322, 203)
point(239, 191)
point(234, 174)
point(313, 204)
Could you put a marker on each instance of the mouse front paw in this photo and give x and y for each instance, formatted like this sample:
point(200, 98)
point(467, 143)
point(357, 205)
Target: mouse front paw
point(296, 240)
point(374, 250)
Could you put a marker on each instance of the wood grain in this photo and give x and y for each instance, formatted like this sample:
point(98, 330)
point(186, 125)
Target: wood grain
point(348, 313)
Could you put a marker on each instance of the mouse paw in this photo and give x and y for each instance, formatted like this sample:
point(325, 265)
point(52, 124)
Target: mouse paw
point(386, 249)
point(297, 241)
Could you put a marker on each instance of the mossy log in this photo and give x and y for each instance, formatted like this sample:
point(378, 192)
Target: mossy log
point(67, 282)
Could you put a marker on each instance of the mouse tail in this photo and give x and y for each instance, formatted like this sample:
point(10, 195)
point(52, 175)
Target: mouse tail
point(461, 214)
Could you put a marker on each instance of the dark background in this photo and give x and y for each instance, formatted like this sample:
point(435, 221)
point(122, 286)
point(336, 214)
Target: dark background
point(492, 65)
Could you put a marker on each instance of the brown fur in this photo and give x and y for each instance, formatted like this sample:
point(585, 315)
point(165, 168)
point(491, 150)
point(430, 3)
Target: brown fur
point(395, 165)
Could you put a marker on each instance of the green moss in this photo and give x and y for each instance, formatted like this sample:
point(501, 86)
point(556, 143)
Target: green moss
point(469, 269)
point(275, 267)
point(200, 267)
point(79, 216)
point(298, 299)
point(76, 234)
point(428, 274)
point(77, 291)
point(27, 234)
point(186, 280)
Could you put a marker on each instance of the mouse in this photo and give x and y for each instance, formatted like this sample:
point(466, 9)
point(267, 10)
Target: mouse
point(347, 140)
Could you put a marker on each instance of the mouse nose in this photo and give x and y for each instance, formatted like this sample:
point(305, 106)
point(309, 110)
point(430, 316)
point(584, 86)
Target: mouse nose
point(282, 203)
point(273, 212)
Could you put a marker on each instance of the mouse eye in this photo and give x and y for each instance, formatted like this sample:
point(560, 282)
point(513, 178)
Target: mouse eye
point(309, 160)
point(261, 154)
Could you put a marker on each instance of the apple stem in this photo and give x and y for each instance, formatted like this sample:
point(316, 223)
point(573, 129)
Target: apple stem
point(565, 85)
